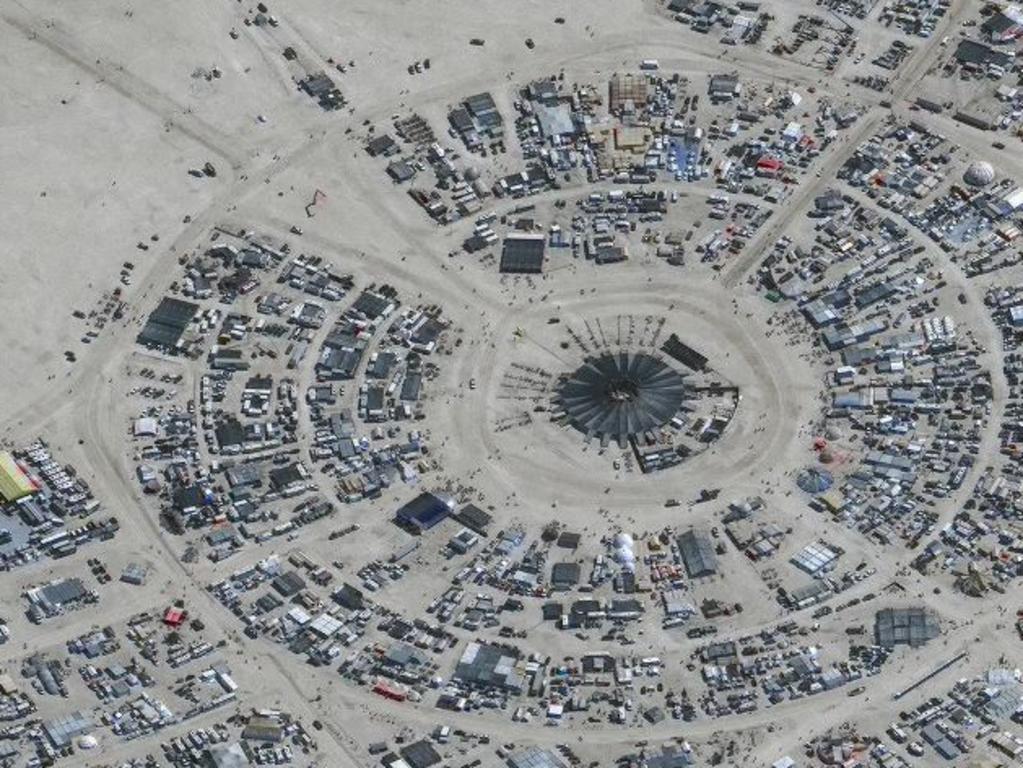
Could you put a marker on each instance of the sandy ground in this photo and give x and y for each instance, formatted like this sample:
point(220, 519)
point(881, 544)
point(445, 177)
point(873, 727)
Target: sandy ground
point(100, 128)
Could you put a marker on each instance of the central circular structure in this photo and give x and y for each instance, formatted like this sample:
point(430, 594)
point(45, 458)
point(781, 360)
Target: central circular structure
point(622, 390)
point(618, 396)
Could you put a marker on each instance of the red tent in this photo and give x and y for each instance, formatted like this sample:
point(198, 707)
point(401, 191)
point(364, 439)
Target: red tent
point(174, 617)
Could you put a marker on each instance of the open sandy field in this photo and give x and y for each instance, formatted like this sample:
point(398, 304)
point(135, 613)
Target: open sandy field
point(112, 116)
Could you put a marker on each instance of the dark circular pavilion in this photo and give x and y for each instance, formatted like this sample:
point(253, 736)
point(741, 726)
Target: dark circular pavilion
point(618, 396)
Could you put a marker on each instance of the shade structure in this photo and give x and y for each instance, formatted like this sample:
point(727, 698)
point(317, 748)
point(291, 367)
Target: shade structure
point(618, 396)
point(14, 483)
point(813, 480)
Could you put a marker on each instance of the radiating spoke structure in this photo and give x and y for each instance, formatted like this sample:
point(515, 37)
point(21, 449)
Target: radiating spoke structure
point(621, 395)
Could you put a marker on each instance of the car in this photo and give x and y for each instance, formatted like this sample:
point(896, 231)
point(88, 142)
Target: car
point(998, 144)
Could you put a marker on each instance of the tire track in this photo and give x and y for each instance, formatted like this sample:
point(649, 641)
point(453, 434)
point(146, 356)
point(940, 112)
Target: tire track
point(175, 116)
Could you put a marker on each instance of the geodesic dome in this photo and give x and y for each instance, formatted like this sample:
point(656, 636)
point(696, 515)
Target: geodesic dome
point(623, 540)
point(979, 174)
point(626, 559)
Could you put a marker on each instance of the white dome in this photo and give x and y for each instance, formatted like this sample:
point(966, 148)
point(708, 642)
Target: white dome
point(88, 742)
point(623, 540)
point(979, 174)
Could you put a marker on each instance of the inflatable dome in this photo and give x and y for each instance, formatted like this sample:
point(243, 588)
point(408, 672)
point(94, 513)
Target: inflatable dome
point(88, 742)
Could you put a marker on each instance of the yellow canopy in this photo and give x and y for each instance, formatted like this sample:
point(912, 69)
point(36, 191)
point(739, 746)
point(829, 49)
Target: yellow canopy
point(14, 483)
